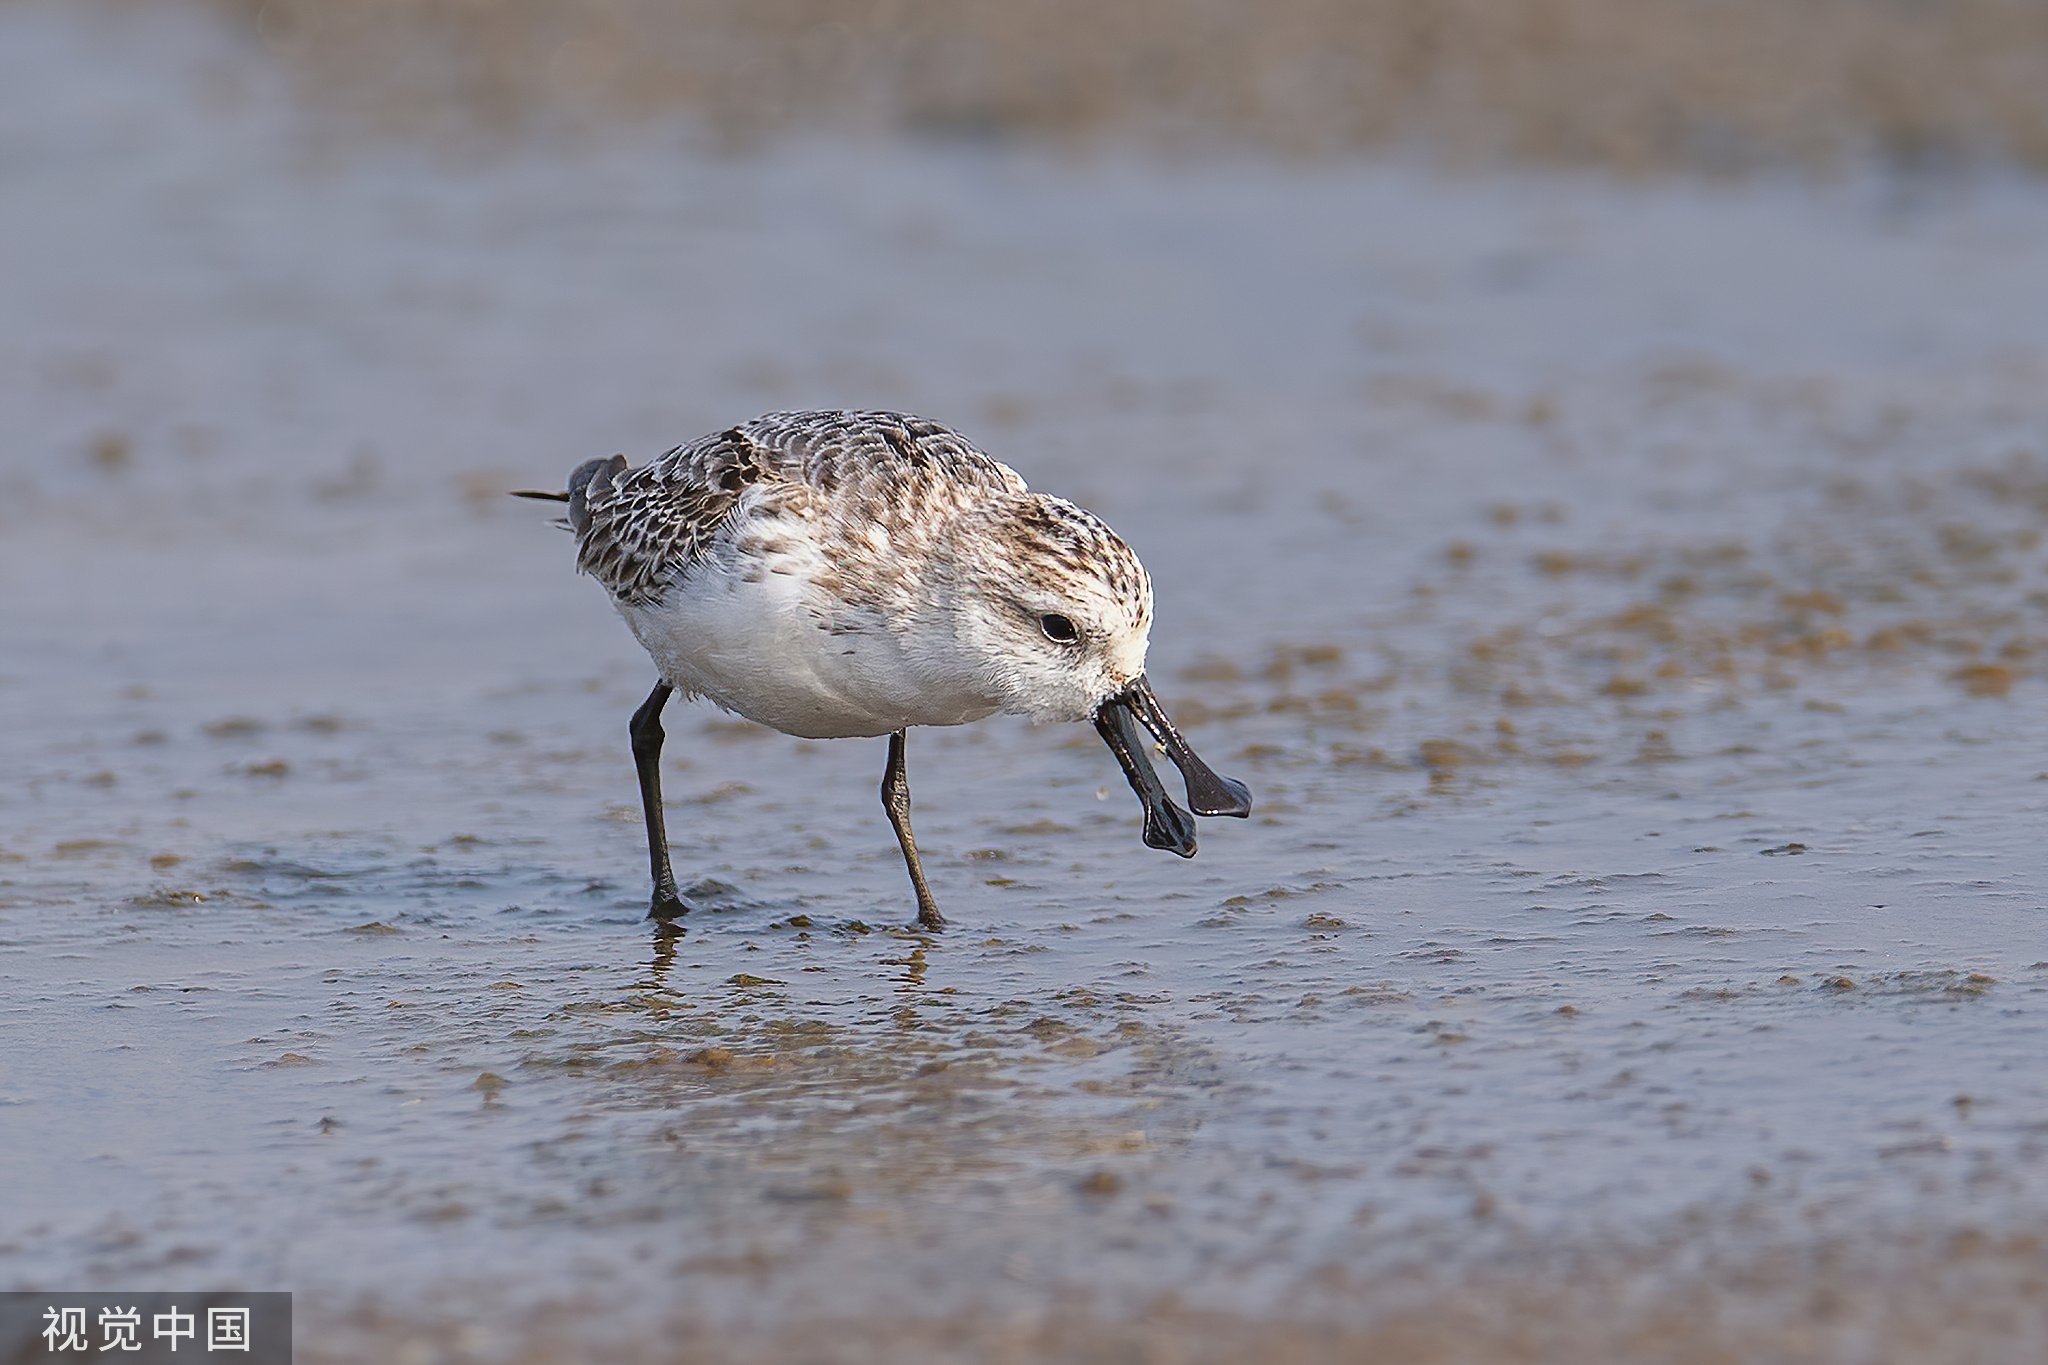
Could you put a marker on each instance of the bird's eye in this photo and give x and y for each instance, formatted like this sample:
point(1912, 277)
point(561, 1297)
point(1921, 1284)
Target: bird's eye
point(1059, 629)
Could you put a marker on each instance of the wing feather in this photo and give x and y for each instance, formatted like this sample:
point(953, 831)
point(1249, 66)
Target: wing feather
point(639, 531)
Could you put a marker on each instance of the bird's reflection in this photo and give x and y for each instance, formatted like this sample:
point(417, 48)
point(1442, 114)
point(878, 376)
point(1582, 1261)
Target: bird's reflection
point(667, 934)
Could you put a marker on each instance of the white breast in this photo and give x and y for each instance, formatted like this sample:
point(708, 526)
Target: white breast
point(753, 633)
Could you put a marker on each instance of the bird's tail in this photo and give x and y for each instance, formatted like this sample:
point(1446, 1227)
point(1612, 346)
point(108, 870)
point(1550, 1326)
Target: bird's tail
point(592, 477)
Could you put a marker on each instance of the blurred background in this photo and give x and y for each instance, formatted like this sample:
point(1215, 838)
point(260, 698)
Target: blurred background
point(1593, 460)
point(1631, 86)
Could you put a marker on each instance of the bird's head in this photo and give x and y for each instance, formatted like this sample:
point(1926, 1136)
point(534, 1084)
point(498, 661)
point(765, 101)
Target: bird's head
point(1050, 604)
point(1055, 610)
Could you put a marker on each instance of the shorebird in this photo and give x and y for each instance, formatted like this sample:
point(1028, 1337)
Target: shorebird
point(841, 574)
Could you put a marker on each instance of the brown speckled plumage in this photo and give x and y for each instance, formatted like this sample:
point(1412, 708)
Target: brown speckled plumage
point(639, 531)
point(836, 574)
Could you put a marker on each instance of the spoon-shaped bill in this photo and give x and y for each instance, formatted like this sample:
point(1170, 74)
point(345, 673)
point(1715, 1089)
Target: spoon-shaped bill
point(1167, 826)
point(1209, 793)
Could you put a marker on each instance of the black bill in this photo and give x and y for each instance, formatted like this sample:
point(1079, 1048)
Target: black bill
point(1209, 793)
point(1167, 826)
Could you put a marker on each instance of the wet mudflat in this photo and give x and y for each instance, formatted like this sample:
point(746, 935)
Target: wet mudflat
point(1626, 603)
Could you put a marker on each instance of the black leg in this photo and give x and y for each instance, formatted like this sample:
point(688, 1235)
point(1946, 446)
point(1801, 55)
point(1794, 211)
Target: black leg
point(647, 736)
point(896, 801)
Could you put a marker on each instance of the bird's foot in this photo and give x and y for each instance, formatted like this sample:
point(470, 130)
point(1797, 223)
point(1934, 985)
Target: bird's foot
point(668, 905)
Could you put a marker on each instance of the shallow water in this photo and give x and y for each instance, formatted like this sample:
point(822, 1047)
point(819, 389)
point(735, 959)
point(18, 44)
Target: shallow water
point(1625, 604)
